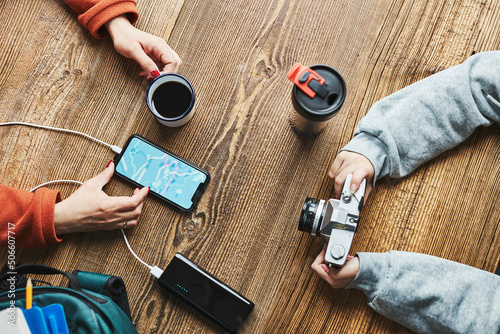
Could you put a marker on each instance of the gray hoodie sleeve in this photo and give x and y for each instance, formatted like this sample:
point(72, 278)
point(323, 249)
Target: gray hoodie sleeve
point(415, 124)
point(428, 294)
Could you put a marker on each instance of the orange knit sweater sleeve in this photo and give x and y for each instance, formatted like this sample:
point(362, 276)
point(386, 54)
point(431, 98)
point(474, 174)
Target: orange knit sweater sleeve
point(92, 14)
point(27, 219)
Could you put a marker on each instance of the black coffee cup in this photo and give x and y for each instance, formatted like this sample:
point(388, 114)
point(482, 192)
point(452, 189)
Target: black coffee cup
point(317, 95)
point(170, 98)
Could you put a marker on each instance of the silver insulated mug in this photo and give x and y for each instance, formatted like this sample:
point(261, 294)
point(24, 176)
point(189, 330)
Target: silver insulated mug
point(317, 95)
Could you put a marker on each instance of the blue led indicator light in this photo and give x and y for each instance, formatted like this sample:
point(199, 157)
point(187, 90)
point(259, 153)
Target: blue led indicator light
point(182, 288)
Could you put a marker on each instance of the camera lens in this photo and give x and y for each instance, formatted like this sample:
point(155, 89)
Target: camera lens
point(308, 216)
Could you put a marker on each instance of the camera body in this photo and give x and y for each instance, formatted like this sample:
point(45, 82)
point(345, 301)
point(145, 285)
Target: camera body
point(336, 220)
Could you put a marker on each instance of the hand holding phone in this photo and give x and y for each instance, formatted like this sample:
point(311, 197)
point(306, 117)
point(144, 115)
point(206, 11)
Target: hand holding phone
point(83, 210)
point(170, 177)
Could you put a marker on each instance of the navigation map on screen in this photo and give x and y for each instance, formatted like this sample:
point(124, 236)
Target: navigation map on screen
point(167, 176)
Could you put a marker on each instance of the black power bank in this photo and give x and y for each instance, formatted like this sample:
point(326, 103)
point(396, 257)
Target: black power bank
point(206, 293)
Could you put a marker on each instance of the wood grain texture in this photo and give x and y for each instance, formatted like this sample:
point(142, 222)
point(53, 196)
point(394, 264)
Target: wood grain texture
point(244, 230)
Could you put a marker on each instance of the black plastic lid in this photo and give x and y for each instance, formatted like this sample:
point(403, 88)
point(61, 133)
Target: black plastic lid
point(321, 108)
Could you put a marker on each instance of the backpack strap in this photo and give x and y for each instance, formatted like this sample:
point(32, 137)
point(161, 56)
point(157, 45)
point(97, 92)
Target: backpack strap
point(41, 269)
point(111, 286)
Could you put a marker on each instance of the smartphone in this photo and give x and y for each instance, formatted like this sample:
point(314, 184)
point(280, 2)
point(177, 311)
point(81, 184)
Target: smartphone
point(206, 293)
point(170, 177)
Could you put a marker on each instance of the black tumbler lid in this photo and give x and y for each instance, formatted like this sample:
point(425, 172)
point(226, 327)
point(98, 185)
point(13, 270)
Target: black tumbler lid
point(328, 97)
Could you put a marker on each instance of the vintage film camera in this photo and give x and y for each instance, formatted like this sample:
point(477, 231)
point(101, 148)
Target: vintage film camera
point(336, 220)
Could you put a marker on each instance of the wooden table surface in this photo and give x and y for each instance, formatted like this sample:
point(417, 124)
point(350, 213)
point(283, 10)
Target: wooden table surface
point(244, 230)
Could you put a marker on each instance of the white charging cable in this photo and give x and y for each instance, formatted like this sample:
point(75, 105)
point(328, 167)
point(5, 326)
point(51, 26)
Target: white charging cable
point(154, 270)
point(56, 181)
point(114, 148)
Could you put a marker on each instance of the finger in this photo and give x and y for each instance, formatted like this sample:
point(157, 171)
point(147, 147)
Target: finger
point(149, 76)
point(115, 217)
point(165, 57)
point(320, 267)
point(144, 61)
point(170, 67)
point(339, 182)
point(99, 181)
point(125, 224)
point(137, 199)
point(126, 204)
point(140, 194)
point(172, 62)
point(357, 176)
point(137, 211)
point(337, 163)
point(132, 223)
point(320, 258)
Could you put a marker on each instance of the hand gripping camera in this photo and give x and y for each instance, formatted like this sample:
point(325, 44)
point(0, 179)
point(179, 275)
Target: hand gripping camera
point(335, 220)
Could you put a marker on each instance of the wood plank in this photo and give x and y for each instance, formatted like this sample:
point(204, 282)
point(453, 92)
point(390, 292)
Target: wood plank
point(244, 230)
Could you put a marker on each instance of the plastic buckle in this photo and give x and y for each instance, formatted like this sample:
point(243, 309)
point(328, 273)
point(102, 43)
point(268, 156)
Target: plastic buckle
point(302, 75)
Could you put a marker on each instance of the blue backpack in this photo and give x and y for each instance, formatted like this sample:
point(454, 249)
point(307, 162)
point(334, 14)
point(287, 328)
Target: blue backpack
point(92, 303)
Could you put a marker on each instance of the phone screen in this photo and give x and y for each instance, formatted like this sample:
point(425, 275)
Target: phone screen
point(170, 177)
